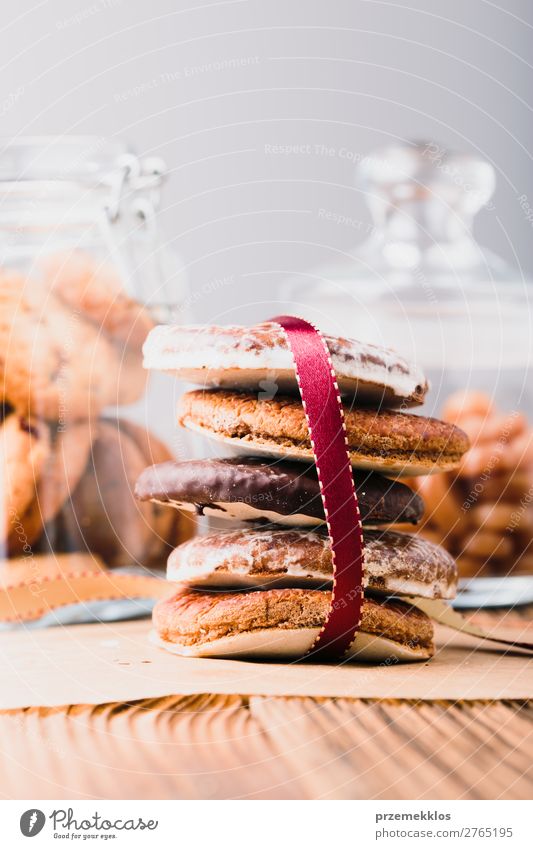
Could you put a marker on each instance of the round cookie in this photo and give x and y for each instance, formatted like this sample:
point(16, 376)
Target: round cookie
point(385, 441)
point(254, 489)
point(27, 384)
point(394, 563)
point(102, 514)
point(59, 478)
point(169, 526)
point(54, 364)
point(24, 451)
point(68, 460)
point(283, 624)
point(258, 359)
point(96, 290)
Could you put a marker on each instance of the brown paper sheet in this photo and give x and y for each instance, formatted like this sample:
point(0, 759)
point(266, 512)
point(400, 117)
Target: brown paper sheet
point(93, 664)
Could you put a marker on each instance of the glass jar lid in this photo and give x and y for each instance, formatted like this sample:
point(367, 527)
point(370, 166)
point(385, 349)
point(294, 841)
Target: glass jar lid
point(77, 176)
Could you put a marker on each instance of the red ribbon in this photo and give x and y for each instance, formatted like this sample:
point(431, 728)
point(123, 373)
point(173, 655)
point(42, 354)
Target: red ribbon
point(325, 419)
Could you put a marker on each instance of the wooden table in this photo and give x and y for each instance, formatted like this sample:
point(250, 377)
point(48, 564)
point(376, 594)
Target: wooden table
point(257, 747)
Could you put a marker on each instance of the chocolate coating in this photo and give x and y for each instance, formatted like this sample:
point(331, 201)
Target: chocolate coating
point(280, 487)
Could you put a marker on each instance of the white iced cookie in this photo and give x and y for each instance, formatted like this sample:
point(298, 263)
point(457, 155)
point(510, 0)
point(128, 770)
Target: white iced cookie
point(395, 563)
point(258, 359)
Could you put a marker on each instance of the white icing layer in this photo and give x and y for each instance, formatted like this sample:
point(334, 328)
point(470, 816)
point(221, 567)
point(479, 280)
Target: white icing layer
point(238, 356)
point(395, 563)
point(289, 644)
point(243, 512)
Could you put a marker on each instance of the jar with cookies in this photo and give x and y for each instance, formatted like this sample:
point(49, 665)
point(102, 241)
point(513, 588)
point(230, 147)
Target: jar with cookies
point(84, 276)
point(421, 283)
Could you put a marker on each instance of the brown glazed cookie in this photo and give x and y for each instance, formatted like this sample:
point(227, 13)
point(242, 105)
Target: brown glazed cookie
point(24, 450)
point(96, 290)
point(168, 525)
point(60, 475)
point(385, 441)
point(279, 491)
point(395, 563)
point(283, 623)
point(258, 359)
point(102, 514)
point(153, 449)
point(53, 364)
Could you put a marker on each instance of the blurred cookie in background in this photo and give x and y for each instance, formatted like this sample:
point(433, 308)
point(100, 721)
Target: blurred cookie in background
point(96, 289)
point(54, 364)
point(103, 517)
point(58, 476)
point(483, 512)
point(24, 452)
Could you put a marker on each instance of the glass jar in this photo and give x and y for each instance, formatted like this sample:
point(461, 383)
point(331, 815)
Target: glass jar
point(83, 277)
point(421, 284)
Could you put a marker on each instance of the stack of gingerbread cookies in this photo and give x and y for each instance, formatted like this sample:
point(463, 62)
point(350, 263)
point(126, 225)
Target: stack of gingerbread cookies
point(262, 588)
point(70, 357)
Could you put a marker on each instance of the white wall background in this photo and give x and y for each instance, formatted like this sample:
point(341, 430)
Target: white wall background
point(210, 85)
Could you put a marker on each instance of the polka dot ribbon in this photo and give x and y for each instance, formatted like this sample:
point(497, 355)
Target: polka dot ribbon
point(323, 410)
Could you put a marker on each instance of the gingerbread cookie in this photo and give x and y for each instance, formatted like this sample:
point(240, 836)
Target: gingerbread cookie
point(395, 563)
point(96, 290)
point(251, 488)
point(53, 364)
point(258, 359)
point(385, 441)
point(60, 475)
point(24, 450)
point(283, 624)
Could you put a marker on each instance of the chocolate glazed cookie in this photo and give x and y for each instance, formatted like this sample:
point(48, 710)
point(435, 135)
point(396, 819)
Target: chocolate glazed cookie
point(254, 489)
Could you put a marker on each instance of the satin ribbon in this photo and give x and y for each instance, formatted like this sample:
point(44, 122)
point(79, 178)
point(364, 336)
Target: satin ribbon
point(30, 596)
point(325, 419)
